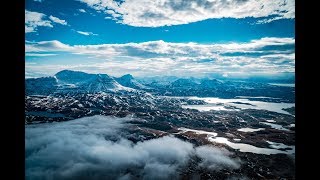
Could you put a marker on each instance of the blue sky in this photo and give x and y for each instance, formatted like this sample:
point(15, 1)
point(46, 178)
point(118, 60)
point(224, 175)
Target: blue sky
point(160, 37)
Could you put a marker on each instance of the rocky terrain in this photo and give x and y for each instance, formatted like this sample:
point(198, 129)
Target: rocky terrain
point(262, 140)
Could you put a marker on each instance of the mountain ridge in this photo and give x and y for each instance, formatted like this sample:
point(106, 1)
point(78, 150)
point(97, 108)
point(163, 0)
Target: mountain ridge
point(68, 81)
point(77, 82)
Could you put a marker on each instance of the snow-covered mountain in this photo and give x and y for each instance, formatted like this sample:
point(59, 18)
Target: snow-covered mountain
point(196, 83)
point(129, 81)
point(41, 86)
point(185, 83)
point(210, 83)
point(73, 77)
point(158, 80)
point(76, 82)
point(99, 83)
point(73, 82)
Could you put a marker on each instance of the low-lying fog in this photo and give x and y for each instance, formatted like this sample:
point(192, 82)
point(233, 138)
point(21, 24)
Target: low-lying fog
point(97, 148)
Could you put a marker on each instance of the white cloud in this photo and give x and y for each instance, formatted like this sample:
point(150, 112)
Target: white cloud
point(39, 55)
point(265, 55)
point(82, 10)
point(46, 46)
point(156, 13)
point(86, 33)
point(99, 146)
point(214, 159)
point(38, 0)
point(280, 56)
point(268, 20)
point(154, 49)
point(33, 20)
point(57, 20)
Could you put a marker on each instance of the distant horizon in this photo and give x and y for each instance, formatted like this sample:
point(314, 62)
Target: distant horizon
point(289, 77)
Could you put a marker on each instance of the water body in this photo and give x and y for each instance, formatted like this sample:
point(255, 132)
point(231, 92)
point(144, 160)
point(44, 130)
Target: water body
point(250, 148)
point(292, 125)
point(45, 114)
point(290, 149)
point(207, 107)
point(257, 97)
point(275, 148)
point(271, 121)
point(250, 129)
point(218, 104)
point(275, 126)
point(283, 84)
point(211, 134)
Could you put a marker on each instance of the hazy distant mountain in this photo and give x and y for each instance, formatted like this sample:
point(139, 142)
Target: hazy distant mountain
point(41, 86)
point(76, 82)
point(185, 83)
point(210, 83)
point(158, 80)
point(129, 81)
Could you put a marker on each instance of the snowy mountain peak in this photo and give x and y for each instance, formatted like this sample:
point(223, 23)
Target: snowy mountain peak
point(129, 81)
point(68, 81)
point(127, 76)
point(69, 72)
point(72, 77)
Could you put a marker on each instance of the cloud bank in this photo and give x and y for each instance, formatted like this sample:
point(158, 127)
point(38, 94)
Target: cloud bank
point(96, 148)
point(156, 13)
point(33, 20)
point(265, 55)
point(57, 20)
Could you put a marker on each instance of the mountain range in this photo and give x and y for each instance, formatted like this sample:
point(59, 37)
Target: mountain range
point(77, 82)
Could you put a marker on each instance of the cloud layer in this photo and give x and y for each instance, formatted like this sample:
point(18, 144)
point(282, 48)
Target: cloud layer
point(156, 13)
point(86, 33)
point(265, 55)
point(33, 20)
point(82, 10)
point(95, 148)
point(57, 20)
